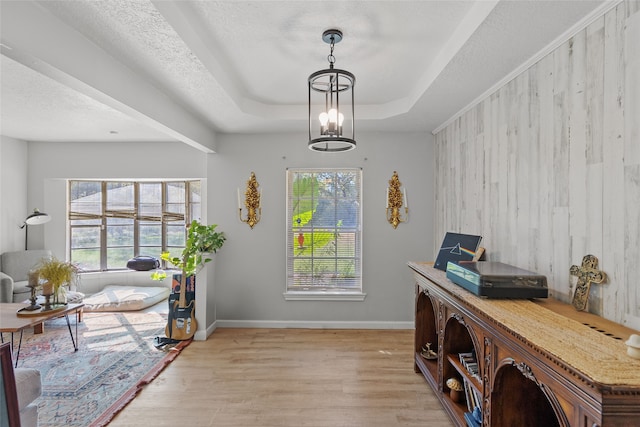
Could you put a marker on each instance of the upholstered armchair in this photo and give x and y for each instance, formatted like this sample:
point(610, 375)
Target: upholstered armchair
point(6, 288)
point(14, 273)
point(29, 388)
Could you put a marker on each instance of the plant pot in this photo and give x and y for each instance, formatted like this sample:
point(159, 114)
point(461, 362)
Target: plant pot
point(456, 396)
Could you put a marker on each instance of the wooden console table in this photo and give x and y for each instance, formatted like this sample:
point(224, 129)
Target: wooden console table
point(539, 362)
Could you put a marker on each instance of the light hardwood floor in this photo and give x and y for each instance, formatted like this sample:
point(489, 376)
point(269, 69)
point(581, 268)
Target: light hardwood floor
point(290, 377)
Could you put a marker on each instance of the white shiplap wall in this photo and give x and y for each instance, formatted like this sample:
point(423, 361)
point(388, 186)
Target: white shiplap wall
point(547, 168)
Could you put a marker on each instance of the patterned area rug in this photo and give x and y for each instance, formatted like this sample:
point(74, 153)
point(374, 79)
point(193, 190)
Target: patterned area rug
point(116, 358)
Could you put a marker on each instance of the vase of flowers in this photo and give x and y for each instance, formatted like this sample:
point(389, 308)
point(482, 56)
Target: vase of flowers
point(56, 274)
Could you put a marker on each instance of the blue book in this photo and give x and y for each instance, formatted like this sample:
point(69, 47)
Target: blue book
point(471, 421)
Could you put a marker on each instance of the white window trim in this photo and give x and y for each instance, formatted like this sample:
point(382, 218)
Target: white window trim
point(327, 295)
point(323, 296)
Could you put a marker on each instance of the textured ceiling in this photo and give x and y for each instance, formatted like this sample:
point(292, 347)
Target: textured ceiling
point(187, 70)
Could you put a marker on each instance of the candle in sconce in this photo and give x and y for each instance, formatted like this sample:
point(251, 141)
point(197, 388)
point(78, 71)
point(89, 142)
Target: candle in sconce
point(239, 206)
point(406, 201)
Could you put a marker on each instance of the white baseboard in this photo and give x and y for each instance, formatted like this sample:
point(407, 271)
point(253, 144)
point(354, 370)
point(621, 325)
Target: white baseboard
point(319, 324)
point(202, 335)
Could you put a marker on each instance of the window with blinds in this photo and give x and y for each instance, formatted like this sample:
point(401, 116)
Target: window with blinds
point(324, 230)
point(112, 221)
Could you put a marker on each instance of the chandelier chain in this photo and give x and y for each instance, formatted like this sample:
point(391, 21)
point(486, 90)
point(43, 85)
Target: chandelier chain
point(330, 57)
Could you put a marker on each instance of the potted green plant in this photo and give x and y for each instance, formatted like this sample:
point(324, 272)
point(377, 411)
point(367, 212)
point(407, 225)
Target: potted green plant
point(201, 240)
point(55, 274)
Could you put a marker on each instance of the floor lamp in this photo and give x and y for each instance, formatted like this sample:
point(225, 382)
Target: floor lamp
point(36, 218)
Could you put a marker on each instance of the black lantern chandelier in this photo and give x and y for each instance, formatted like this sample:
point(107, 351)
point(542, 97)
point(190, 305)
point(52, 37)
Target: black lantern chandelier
point(331, 115)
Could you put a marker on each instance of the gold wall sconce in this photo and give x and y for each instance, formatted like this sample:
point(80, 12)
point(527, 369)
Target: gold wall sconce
point(251, 201)
point(395, 199)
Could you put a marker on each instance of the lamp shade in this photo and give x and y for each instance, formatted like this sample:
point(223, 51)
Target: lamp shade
point(37, 218)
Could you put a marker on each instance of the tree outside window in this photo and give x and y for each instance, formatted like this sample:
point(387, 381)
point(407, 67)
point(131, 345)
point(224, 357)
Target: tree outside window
point(324, 230)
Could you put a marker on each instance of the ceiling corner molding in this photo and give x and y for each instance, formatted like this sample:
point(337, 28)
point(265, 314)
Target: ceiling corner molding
point(563, 38)
point(463, 32)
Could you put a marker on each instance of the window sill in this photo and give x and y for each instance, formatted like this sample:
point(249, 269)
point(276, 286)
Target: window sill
point(324, 296)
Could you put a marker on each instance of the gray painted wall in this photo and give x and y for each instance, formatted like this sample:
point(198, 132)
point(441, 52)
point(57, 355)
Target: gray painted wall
point(250, 280)
point(14, 207)
point(249, 276)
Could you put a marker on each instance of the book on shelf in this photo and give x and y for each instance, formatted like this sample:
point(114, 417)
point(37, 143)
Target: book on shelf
point(470, 420)
point(466, 356)
point(476, 399)
point(473, 418)
point(470, 363)
point(468, 393)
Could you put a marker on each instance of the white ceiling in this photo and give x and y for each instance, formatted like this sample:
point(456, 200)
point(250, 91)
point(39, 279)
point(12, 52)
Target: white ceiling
point(124, 70)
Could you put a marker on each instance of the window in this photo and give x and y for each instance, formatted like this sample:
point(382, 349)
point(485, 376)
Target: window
point(324, 231)
point(113, 221)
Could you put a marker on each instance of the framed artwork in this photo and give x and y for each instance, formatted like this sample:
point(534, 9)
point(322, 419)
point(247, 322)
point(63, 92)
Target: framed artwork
point(457, 247)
